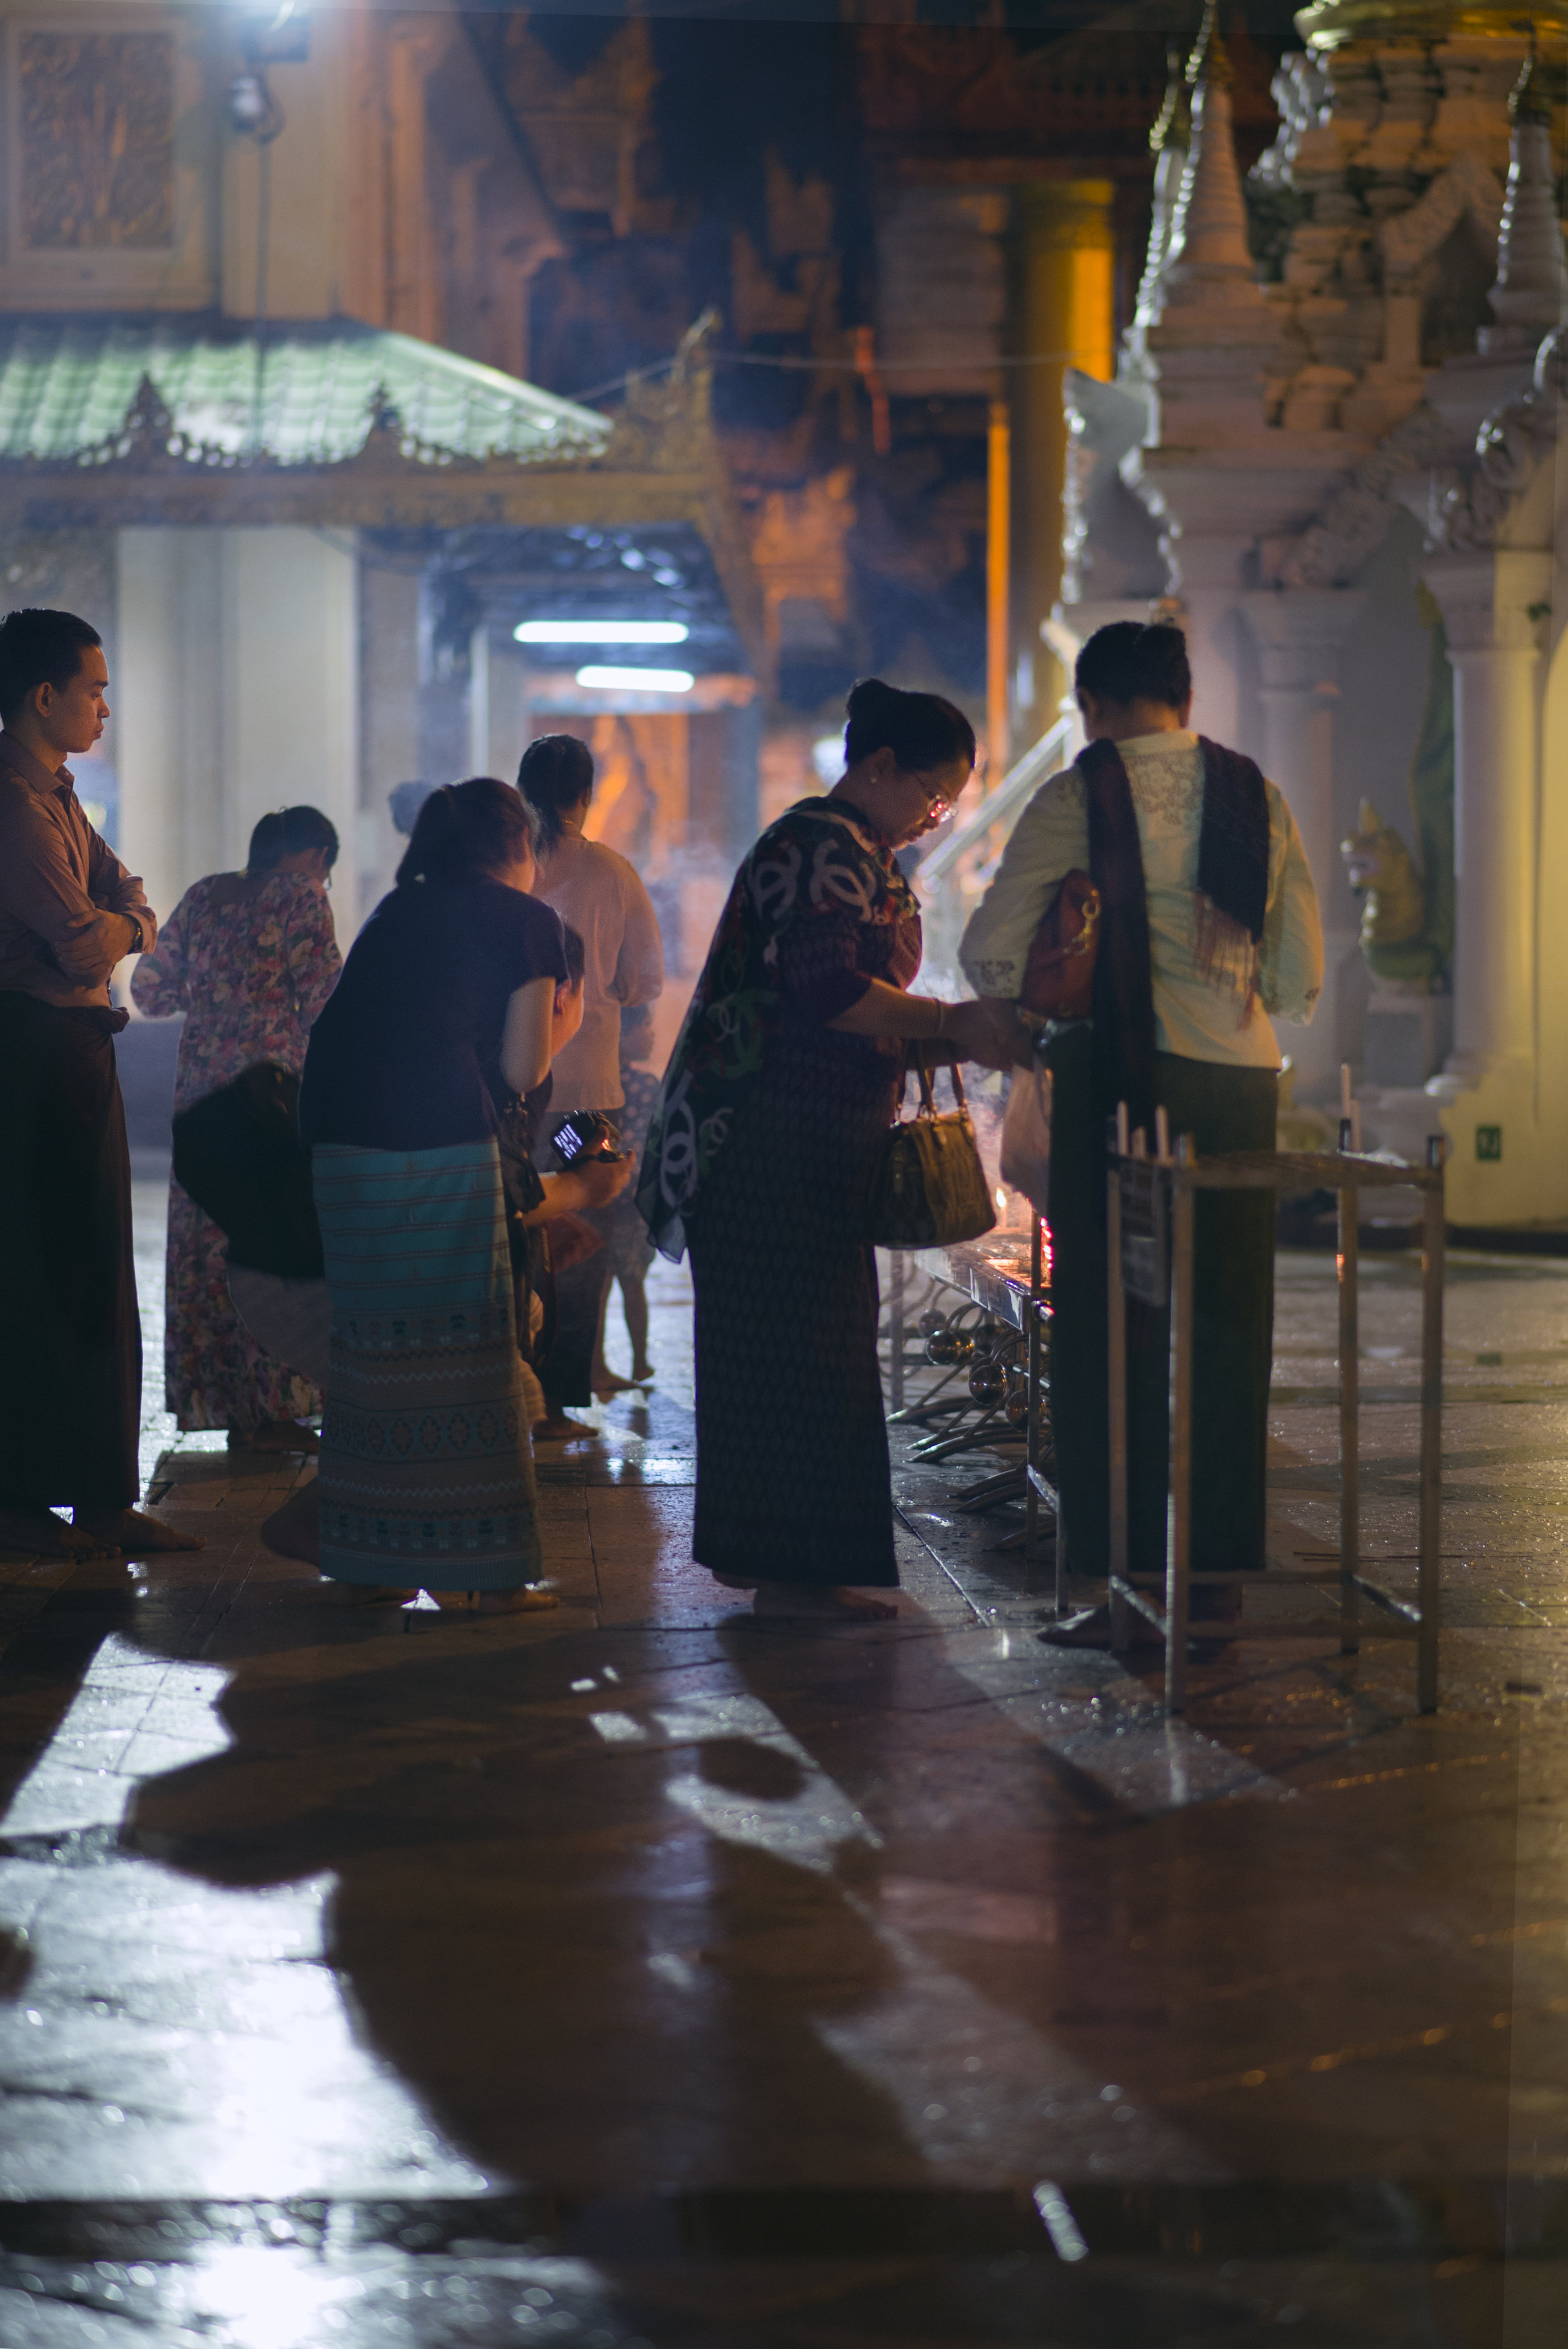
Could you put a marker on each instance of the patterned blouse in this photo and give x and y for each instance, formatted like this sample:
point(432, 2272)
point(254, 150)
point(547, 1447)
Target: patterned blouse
point(818, 910)
point(250, 972)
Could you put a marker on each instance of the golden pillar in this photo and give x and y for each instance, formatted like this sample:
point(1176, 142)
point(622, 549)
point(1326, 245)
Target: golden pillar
point(1064, 311)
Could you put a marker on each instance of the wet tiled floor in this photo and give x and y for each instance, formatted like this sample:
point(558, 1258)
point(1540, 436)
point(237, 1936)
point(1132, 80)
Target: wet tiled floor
point(642, 1973)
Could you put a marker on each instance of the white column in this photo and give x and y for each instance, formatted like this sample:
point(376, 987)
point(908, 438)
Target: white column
point(290, 669)
point(1486, 600)
point(166, 695)
point(1299, 632)
point(1504, 1168)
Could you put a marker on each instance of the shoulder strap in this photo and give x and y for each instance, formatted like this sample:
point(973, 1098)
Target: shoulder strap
point(1123, 970)
point(1234, 843)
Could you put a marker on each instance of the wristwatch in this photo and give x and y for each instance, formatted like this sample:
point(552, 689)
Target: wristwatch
point(134, 921)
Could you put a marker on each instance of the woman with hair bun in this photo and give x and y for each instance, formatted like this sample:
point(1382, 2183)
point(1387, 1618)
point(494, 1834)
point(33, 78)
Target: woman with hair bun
point(761, 1153)
point(250, 959)
point(426, 1476)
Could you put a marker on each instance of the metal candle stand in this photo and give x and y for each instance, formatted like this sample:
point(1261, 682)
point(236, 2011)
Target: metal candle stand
point(1148, 1198)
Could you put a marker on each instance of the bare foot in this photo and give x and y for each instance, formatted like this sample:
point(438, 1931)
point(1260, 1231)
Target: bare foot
point(642, 1375)
point(295, 1530)
point(821, 1603)
point(274, 1436)
point(557, 1428)
point(609, 1383)
point(46, 1536)
point(526, 1600)
point(133, 1533)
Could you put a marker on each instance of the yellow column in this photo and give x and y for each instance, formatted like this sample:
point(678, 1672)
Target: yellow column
point(998, 590)
point(1065, 262)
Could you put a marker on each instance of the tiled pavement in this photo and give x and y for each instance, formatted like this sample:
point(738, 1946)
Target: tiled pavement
point(644, 1973)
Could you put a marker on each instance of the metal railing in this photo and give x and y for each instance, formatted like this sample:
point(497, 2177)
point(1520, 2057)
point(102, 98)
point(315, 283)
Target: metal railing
point(1136, 1183)
point(1053, 751)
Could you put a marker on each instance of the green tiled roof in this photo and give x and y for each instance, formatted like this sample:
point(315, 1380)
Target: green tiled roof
point(66, 385)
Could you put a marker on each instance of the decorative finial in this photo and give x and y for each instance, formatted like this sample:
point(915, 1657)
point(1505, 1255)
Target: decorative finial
point(1173, 126)
point(1528, 100)
point(1210, 64)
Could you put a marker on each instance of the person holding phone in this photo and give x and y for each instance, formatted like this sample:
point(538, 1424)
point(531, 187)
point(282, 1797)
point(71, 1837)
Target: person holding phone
point(426, 1474)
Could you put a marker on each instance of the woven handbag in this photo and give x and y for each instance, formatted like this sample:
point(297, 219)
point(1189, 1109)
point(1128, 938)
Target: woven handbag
point(930, 1188)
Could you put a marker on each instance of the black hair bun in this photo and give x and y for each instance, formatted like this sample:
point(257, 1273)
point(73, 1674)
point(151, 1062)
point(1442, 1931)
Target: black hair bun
point(870, 694)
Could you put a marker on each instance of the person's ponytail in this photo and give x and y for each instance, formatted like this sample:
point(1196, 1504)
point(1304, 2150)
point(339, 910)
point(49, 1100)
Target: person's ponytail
point(466, 829)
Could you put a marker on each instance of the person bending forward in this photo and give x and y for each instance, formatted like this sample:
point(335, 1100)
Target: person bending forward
point(760, 1156)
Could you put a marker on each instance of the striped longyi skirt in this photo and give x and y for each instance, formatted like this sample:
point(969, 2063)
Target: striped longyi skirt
point(426, 1474)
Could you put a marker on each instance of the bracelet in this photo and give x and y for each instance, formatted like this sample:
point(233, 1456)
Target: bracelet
point(940, 1009)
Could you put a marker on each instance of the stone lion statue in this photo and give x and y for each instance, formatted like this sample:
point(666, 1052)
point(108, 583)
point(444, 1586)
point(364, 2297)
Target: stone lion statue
point(1383, 872)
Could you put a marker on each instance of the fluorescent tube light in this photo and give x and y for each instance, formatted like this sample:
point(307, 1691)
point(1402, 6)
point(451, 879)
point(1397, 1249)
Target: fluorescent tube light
point(601, 632)
point(638, 680)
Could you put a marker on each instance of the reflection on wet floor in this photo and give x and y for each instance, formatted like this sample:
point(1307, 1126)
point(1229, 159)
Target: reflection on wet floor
point(646, 1973)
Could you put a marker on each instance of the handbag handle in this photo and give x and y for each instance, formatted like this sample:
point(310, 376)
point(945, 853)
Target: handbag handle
point(915, 1053)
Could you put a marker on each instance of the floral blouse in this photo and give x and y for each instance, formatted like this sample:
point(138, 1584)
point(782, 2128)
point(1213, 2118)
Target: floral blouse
point(251, 972)
point(816, 911)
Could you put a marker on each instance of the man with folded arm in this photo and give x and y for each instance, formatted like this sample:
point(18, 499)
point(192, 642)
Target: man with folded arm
point(70, 1338)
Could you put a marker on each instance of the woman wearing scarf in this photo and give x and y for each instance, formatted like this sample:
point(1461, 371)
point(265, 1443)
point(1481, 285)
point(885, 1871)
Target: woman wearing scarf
point(1210, 925)
point(760, 1157)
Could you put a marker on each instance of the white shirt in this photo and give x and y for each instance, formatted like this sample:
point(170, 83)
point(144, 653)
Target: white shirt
point(601, 897)
point(1199, 1017)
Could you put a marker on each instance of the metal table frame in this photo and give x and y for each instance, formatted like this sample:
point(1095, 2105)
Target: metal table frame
point(1027, 1311)
point(1349, 1176)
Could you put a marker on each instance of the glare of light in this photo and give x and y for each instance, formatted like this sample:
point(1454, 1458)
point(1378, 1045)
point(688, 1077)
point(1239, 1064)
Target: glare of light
point(828, 757)
point(268, 2299)
point(1001, 1201)
point(601, 632)
point(1055, 2211)
point(618, 1728)
point(639, 681)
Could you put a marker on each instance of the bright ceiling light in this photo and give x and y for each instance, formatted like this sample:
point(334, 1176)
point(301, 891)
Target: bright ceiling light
point(601, 632)
point(638, 680)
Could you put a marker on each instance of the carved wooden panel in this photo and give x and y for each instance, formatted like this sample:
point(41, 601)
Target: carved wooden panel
point(95, 134)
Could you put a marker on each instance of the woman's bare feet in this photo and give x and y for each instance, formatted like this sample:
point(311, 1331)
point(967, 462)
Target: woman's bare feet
point(132, 1533)
point(821, 1603)
point(526, 1600)
point(295, 1530)
point(41, 1533)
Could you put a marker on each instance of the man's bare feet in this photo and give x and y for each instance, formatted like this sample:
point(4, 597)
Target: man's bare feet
point(821, 1603)
point(133, 1534)
point(526, 1600)
point(295, 1530)
point(274, 1436)
point(41, 1533)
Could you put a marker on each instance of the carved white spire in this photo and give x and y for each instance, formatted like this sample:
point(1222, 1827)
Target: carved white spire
point(1207, 262)
point(1531, 295)
point(1168, 142)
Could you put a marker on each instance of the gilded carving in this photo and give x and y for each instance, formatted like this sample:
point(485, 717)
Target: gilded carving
point(95, 122)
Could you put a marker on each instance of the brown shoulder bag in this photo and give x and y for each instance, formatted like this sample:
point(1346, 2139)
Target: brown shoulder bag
point(1059, 977)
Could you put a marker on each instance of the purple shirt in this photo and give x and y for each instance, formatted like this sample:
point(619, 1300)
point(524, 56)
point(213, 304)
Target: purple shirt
point(59, 887)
